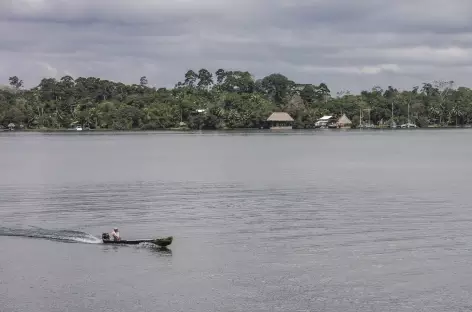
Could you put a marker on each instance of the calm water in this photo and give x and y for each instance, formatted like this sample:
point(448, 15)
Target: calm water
point(302, 221)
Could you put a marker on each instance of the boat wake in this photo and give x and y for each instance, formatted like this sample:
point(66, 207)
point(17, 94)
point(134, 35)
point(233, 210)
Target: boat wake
point(67, 236)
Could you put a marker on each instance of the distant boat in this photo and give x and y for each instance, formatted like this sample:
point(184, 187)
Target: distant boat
point(78, 128)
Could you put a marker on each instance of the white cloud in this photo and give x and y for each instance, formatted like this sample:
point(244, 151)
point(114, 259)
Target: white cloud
point(372, 70)
point(49, 71)
point(418, 54)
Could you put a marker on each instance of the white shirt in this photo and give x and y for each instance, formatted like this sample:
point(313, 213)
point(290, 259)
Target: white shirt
point(115, 235)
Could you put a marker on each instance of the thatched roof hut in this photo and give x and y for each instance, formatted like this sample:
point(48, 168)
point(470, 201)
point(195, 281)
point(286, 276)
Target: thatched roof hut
point(280, 120)
point(344, 121)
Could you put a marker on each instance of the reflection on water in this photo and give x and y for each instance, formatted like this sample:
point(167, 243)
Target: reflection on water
point(163, 251)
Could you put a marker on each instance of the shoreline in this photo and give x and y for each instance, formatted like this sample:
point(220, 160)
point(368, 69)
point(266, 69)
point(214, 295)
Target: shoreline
point(180, 130)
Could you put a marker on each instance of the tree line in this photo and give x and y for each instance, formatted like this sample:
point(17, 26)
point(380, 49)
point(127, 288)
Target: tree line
point(222, 100)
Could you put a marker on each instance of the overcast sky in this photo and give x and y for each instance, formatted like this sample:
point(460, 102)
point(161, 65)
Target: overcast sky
point(348, 44)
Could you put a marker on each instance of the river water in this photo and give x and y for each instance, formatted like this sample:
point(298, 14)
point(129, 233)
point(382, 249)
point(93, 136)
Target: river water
point(290, 221)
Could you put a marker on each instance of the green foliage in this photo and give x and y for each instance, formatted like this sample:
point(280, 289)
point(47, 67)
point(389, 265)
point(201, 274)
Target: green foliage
point(220, 100)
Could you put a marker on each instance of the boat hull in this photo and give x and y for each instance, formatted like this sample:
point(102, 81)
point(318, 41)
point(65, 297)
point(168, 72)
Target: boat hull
point(162, 242)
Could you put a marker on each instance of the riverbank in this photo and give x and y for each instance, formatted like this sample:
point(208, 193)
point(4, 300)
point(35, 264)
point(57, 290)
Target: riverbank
point(188, 130)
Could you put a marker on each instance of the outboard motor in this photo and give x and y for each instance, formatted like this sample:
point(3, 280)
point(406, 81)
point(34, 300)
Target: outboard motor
point(106, 236)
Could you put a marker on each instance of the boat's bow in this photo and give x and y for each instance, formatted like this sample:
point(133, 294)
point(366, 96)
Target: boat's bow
point(163, 242)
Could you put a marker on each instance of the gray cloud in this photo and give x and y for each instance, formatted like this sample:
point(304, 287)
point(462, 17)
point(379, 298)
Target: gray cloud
point(347, 44)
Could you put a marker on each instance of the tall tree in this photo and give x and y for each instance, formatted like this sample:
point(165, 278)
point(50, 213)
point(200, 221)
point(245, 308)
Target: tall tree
point(143, 81)
point(278, 87)
point(190, 78)
point(205, 79)
point(15, 82)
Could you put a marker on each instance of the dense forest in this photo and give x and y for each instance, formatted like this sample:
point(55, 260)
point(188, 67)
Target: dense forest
point(222, 100)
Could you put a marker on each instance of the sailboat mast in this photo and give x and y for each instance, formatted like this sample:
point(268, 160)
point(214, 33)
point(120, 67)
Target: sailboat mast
point(391, 121)
point(360, 118)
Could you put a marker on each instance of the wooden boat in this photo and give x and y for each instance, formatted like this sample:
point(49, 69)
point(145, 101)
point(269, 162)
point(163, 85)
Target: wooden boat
point(161, 242)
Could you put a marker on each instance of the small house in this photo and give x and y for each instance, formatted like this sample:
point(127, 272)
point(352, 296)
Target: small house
point(280, 120)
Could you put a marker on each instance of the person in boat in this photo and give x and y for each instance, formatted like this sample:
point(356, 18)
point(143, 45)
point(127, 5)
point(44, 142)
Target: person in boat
point(115, 234)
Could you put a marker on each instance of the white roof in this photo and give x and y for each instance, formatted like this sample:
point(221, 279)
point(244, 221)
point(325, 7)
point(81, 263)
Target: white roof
point(325, 118)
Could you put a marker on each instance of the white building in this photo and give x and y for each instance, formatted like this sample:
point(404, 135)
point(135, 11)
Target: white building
point(325, 121)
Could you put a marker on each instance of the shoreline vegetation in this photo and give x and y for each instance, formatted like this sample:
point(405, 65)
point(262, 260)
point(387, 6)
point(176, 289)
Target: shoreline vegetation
point(224, 100)
point(246, 131)
point(238, 130)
